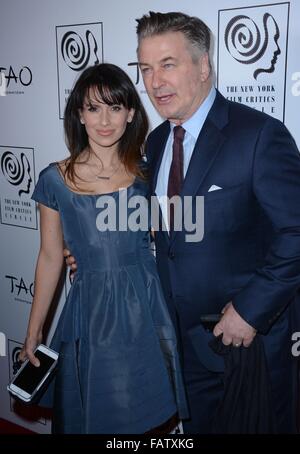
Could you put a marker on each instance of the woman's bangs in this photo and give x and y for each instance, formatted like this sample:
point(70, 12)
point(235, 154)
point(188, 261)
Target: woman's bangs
point(107, 95)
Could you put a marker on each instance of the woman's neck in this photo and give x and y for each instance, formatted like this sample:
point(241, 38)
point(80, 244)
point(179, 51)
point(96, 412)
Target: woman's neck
point(108, 157)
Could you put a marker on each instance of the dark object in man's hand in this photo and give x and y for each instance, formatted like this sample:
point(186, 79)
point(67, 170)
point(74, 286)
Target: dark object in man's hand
point(209, 321)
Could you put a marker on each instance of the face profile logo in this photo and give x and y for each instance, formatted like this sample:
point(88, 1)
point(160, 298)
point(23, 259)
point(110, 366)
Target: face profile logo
point(77, 52)
point(17, 171)
point(249, 44)
point(77, 47)
point(17, 181)
point(14, 349)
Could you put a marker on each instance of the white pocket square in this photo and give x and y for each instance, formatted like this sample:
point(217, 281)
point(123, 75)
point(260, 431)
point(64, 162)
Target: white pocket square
point(214, 188)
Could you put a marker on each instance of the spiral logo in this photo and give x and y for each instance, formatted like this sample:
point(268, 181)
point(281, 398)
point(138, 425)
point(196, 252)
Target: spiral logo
point(76, 51)
point(15, 359)
point(15, 353)
point(247, 44)
point(16, 171)
point(12, 168)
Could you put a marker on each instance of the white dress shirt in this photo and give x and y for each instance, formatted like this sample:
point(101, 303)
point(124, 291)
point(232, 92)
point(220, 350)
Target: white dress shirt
point(192, 128)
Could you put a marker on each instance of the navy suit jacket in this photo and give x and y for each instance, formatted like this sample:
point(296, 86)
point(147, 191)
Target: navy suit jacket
point(250, 252)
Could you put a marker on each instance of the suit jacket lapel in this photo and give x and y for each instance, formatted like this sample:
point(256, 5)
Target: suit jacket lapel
point(207, 147)
point(157, 148)
point(205, 152)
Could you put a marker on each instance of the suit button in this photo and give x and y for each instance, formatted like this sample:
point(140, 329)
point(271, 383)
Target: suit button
point(171, 255)
point(170, 295)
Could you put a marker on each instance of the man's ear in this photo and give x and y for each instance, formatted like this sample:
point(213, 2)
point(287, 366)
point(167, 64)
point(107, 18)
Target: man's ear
point(204, 67)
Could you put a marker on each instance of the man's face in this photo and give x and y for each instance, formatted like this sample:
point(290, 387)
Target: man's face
point(175, 83)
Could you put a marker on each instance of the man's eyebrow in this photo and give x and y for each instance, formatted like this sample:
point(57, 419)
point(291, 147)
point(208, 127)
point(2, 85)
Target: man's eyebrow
point(163, 60)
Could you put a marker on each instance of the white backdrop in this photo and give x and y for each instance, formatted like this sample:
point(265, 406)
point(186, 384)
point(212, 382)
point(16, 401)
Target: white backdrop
point(37, 68)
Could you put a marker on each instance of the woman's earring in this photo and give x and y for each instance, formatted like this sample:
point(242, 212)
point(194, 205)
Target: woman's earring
point(81, 121)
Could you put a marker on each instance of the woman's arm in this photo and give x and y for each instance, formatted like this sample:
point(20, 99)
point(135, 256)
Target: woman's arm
point(47, 273)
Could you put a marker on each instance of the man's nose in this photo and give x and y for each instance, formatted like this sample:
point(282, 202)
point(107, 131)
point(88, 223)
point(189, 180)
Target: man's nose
point(157, 79)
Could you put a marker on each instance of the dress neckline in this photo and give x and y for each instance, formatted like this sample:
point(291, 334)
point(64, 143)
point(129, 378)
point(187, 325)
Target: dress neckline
point(89, 194)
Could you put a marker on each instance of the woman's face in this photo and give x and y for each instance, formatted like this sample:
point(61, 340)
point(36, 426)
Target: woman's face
point(105, 124)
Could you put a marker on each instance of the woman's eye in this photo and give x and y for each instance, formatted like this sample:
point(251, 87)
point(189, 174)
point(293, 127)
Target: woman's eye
point(92, 108)
point(116, 108)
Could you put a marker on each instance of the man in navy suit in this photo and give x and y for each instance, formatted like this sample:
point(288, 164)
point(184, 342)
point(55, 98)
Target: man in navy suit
point(247, 266)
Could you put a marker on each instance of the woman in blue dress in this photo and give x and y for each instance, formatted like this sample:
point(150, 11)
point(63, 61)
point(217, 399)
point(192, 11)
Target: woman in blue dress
point(118, 369)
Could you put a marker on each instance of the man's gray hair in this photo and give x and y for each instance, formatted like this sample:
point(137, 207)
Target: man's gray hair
point(194, 29)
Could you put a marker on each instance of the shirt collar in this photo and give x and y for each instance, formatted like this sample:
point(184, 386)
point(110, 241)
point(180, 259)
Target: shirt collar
point(194, 124)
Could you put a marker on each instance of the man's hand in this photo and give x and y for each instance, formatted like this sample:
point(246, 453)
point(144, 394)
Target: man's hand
point(234, 328)
point(70, 260)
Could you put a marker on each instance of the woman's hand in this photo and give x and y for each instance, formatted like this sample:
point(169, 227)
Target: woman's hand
point(31, 343)
point(70, 260)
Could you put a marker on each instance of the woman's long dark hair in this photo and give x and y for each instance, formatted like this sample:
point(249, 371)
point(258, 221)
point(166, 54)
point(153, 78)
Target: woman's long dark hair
point(113, 86)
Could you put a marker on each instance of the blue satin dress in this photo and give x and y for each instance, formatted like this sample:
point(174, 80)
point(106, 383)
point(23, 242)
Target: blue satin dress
point(118, 368)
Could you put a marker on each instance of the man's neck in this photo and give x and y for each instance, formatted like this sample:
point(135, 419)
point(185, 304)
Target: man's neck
point(206, 90)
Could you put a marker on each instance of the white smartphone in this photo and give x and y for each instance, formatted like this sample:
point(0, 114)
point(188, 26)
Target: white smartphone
point(29, 378)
